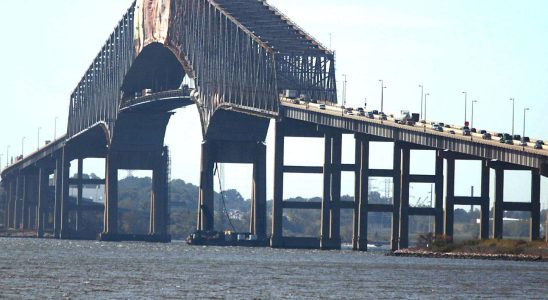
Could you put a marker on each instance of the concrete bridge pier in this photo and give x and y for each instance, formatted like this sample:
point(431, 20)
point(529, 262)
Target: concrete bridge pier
point(224, 151)
point(331, 214)
point(43, 201)
point(159, 213)
point(361, 193)
point(276, 239)
point(206, 207)
point(500, 205)
point(18, 203)
point(258, 217)
point(110, 217)
point(452, 199)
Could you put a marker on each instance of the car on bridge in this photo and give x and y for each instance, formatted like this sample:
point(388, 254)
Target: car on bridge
point(466, 132)
point(538, 144)
point(486, 136)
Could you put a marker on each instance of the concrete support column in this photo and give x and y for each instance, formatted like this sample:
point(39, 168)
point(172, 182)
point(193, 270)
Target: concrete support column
point(25, 201)
point(58, 197)
point(79, 196)
point(499, 203)
point(110, 225)
point(535, 205)
point(12, 199)
point(450, 199)
point(6, 203)
point(18, 202)
point(9, 204)
point(361, 194)
point(438, 218)
point(32, 199)
point(394, 242)
point(404, 199)
point(277, 205)
point(335, 213)
point(65, 203)
point(159, 214)
point(259, 192)
point(206, 207)
point(326, 198)
point(484, 217)
point(43, 184)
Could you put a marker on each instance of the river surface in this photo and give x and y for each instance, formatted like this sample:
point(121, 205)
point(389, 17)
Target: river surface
point(38, 268)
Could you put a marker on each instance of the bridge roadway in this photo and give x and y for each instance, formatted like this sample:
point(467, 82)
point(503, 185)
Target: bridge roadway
point(240, 55)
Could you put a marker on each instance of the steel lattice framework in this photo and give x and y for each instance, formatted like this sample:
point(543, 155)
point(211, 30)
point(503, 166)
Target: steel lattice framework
point(239, 53)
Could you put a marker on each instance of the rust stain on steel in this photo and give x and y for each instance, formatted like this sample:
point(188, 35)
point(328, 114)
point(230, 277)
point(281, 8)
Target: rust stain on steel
point(151, 22)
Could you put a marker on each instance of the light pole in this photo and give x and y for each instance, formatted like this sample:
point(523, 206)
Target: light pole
point(365, 103)
point(465, 105)
point(7, 155)
point(472, 121)
point(427, 94)
point(523, 136)
point(422, 96)
point(55, 129)
point(382, 94)
point(513, 107)
point(22, 145)
point(344, 90)
point(38, 144)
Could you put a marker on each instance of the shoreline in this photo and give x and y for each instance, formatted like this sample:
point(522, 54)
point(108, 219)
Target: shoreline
point(467, 255)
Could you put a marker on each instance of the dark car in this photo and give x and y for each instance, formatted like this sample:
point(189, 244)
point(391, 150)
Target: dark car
point(375, 112)
point(540, 142)
point(464, 128)
point(538, 145)
point(466, 132)
point(370, 115)
point(474, 130)
point(361, 112)
point(441, 124)
point(410, 122)
point(526, 139)
point(447, 126)
point(438, 128)
point(523, 143)
point(517, 137)
point(451, 131)
point(360, 109)
point(483, 131)
point(382, 116)
point(500, 135)
point(486, 136)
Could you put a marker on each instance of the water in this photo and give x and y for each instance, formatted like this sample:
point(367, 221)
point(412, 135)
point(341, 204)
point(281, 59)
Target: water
point(32, 268)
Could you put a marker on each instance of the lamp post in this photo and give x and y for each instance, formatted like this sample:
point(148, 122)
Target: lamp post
point(422, 96)
point(472, 119)
point(382, 94)
point(22, 145)
point(513, 107)
point(55, 128)
point(427, 94)
point(7, 155)
point(465, 105)
point(38, 141)
point(524, 111)
point(344, 90)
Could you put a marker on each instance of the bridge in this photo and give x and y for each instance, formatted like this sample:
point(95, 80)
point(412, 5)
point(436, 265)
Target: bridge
point(244, 58)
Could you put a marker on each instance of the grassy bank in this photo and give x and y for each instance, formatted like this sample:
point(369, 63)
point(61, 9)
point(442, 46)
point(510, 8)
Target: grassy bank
point(512, 247)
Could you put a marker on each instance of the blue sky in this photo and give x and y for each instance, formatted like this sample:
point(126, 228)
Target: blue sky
point(494, 50)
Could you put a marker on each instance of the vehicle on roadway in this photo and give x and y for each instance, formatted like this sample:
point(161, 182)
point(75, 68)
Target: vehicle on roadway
point(466, 132)
point(483, 131)
point(486, 136)
point(451, 131)
point(370, 115)
point(538, 144)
